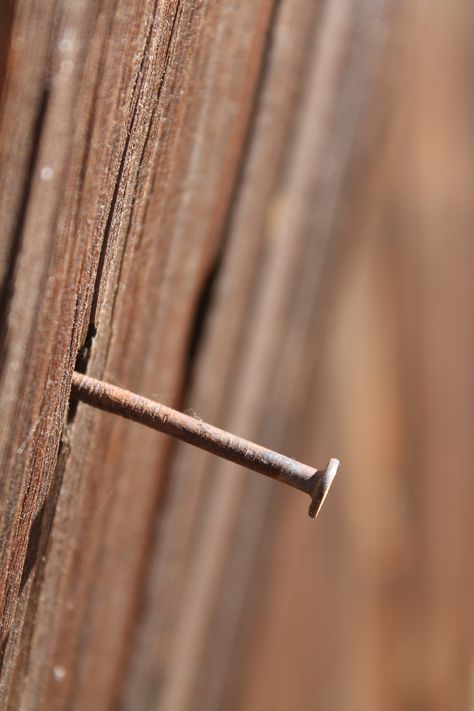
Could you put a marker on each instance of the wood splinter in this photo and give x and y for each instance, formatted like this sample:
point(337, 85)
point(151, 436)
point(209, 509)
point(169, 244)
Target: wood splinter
point(118, 401)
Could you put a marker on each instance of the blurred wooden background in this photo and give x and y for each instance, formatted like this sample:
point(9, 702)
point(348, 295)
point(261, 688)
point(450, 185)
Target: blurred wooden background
point(261, 212)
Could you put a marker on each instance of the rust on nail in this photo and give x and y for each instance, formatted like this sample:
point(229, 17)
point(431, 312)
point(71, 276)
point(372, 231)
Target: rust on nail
point(118, 401)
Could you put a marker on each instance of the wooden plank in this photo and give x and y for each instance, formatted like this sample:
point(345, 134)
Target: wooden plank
point(261, 212)
point(131, 176)
point(372, 610)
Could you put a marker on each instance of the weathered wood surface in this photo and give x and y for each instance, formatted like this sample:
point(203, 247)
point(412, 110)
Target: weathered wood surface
point(247, 209)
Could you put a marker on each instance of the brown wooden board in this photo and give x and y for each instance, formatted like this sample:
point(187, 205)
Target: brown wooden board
point(260, 213)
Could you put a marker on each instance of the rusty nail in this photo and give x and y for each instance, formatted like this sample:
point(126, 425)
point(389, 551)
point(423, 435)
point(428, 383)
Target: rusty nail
point(116, 400)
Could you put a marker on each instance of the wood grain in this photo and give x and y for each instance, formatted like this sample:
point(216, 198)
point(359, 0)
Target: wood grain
point(123, 109)
point(258, 212)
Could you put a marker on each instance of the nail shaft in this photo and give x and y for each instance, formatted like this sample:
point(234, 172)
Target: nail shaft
point(212, 439)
